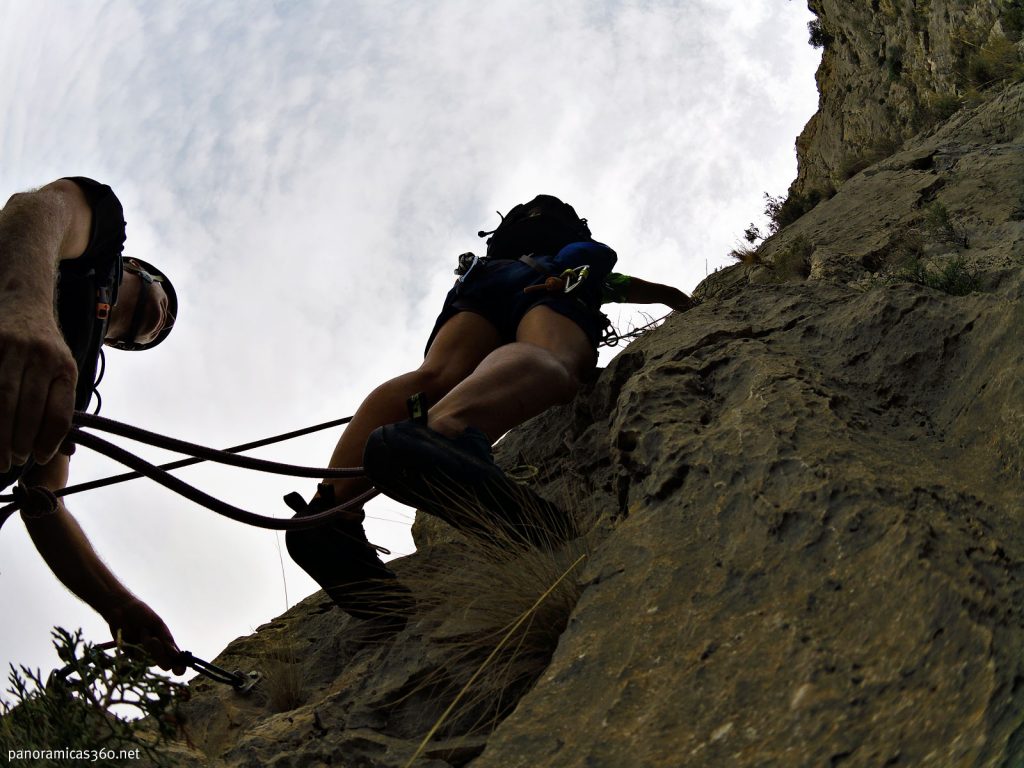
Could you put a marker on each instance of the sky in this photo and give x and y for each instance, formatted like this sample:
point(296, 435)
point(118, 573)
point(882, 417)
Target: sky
point(307, 172)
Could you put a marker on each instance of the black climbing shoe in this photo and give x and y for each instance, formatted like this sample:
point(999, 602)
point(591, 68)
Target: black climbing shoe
point(341, 560)
point(457, 480)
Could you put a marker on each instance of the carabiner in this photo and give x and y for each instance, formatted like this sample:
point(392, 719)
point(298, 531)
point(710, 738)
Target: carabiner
point(573, 277)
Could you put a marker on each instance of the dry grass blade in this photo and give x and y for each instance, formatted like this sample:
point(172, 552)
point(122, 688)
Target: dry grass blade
point(508, 635)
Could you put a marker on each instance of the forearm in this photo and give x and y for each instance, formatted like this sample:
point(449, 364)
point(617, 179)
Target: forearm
point(644, 292)
point(33, 228)
point(69, 554)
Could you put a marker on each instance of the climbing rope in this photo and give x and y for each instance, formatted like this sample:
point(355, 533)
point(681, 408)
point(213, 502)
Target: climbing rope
point(612, 338)
point(103, 482)
point(160, 475)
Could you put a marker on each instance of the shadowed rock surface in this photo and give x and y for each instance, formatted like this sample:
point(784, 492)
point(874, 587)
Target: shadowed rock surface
point(804, 500)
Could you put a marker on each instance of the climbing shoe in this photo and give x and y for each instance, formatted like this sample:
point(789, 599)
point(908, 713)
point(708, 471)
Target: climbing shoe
point(339, 558)
point(456, 479)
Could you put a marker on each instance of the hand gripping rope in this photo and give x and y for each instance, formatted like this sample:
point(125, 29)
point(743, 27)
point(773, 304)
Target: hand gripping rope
point(199, 453)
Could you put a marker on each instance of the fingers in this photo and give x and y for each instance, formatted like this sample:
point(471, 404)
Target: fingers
point(12, 363)
point(165, 651)
point(43, 416)
point(141, 626)
point(56, 421)
point(37, 400)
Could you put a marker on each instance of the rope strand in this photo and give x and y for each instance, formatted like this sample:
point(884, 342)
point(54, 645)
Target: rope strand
point(193, 494)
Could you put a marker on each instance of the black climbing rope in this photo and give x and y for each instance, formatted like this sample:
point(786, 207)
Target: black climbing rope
point(160, 475)
point(103, 482)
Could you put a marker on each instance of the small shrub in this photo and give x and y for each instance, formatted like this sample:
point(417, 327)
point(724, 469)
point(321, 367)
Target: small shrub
point(782, 212)
point(955, 278)
point(493, 615)
point(995, 62)
point(745, 254)
point(854, 164)
point(938, 224)
point(794, 261)
point(879, 149)
point(985, 64)
point(1012, 19)
point(818, 37)
point(939, 107)
point(99, 703)
point(284, 679)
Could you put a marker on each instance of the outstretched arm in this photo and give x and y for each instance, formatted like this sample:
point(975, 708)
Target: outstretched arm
point(37, 372)
point(70, 556)
point(639, 291)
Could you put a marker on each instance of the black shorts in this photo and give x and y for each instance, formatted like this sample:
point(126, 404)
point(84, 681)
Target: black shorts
point(494, 289)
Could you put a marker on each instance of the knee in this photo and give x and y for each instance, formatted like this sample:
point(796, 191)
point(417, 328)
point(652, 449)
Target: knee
point(434, 381)
point(563, 378)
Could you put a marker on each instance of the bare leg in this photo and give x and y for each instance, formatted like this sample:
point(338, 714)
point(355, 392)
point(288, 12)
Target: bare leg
point(458, 348)
point(543, 367)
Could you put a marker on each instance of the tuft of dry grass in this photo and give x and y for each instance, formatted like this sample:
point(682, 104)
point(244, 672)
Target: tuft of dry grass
point(283, 678)
point(492, 610)
point(746, 254)
point(794, 261)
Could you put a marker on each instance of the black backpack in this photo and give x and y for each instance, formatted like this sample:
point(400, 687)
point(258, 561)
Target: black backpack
point(541, 227)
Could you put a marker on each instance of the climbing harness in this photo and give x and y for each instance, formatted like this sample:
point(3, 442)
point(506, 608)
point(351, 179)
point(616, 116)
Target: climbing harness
point(201, 453)
point(568, 281)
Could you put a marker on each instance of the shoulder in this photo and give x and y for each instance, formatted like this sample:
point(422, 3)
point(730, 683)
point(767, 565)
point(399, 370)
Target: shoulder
point(106, 234)
point(597, 255)
point(615, 288)
point(99, 197)
point(587, 246)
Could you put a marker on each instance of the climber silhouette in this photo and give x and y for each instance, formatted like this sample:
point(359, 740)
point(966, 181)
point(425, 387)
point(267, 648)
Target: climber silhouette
point(517, 334)
point(74, 229)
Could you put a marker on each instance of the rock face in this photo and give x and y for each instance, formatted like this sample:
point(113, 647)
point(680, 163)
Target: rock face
point(890, 69)
point(804, 501)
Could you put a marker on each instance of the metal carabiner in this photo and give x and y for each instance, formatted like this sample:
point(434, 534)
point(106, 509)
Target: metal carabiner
point(573, 277)
point(466, 265)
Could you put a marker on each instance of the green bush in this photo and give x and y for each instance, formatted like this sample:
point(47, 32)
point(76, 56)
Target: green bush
point(1012, 19)
point(993, 63)
point(955, 278)
point(794, 261)
point(782, 212)
point(938, 224)
point(96, 709)
point(818, 37)
point(938, 107)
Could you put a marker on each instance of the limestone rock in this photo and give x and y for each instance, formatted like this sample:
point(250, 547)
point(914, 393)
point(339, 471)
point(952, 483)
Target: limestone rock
point(891, 69)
